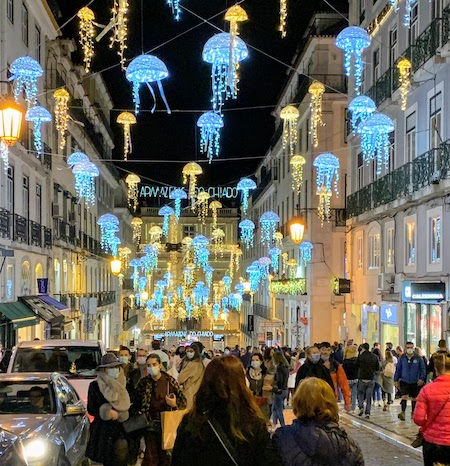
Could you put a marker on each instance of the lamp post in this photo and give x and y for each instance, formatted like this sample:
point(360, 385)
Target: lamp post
point(296, 230)
point(116, 266)
point(11, 116)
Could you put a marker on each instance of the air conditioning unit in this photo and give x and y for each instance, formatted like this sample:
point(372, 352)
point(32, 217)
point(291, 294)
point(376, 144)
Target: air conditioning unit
point(72, 218)
point(56, 210)
point(436, 177)
point(385, 281)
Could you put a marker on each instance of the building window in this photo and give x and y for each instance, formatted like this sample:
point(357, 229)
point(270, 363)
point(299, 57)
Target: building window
point(24, 24)
point(374, 250)
point(376, 65)
point(300, 139)
point(10, 190)
point(410, 242)
point(360, 246)
point(373, 170)
point(360, 171)
point(411, 137)
point(307, 134)
point(414, 23)
point(362, 10)
point(37, 43)
point(38, 203)
point(393, 46)
point(390, 248)
point(10, 10)
point(26, 279)
point(435, 120)
point(391, 163)
point(435, 240)
point(26, 196)
point(188, 230)
point(9, 281)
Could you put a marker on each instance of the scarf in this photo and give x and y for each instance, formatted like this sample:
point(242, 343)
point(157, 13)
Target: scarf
point(255, 374)
point(114, 390)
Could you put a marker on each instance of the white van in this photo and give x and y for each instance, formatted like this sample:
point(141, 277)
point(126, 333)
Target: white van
point(76, 359)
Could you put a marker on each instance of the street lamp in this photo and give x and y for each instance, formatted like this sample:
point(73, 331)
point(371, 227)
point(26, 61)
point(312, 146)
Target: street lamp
point(11, 116)
point(144, 296)
point(246, 284)
point(296, 230)
point(116, 266)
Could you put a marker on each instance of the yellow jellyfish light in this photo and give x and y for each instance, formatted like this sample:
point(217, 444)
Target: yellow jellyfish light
point(283, 17)
point(316, 90)
point(202, 202)
point(218, 236)
point(132, 182)
point(214, 206)
point(296, 163)
point(285, 260)
point(190, 173)
point(234, 15)
point(87, 33)
point(124, 254)
point(278, 237)
point(120, 28)
point(323, 209)
point(126, 119)
point(404, 68)
point(237, 257)
point(155, 234)
point(292, 266)
point(136, 223)
point(290, 116)
point(61, 114)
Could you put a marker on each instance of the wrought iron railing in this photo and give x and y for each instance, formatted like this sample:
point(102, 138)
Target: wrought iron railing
point(5, 223)
point(262, 311)
point(20, 229)
point(104, 298)
point(35, 233)
point(47, 237)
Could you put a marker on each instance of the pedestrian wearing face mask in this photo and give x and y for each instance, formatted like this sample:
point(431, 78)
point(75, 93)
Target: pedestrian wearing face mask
point(313, 368)
point(191, 374)
point(140, 367)
point(125, 360)
point(108, 403)
point(227, 351)
point(156, 349)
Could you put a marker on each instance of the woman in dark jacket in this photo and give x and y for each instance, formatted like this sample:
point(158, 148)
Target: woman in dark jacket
point(255, 374)
point(350, 366)
point(279, 388)
point(109, 402)
point(224, 413)
point(315, 438)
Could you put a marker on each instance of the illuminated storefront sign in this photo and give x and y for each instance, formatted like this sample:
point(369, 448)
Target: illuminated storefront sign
point(388, 313)
point(423, 292)
point(149, 191)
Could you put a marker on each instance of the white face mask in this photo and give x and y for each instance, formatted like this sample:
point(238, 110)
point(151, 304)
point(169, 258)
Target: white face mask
point(123, 359)
point(190, 354)
point(141, 360)
point(256, 364)
point(226, 352)
point(153, 370)
point(409, 350)
point(113, 372)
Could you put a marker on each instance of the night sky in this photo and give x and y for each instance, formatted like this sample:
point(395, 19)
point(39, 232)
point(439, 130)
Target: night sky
point(173, 137)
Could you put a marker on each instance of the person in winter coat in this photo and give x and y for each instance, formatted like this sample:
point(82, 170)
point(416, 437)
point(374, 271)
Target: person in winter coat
point(313, 368)
point(315, 438)
point(368, 365)
point(224, 413)
point(191, 374)
point(351, 371)
point(108, 402)
point(432, 414)
point(442, 348)
point(279, 388)
point(386, 379)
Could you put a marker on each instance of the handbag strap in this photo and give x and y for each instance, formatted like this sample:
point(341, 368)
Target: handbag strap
point(224, 440)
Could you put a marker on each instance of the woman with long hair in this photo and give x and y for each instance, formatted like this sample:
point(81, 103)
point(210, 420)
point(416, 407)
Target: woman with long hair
point(225, 426)
point(315, 438)
point(191, 374)
point(279, 387)
point(387, 379)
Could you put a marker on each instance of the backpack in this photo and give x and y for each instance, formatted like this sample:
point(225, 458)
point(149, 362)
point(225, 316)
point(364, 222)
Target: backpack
point(389, 370)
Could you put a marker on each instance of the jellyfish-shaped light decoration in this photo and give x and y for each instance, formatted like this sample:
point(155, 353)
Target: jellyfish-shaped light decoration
point(109, 225)
point(85, 174)
point(316, 90)
point(150, 259)
point(226, 280)
point(188, 273)
point(305, 253)
point(132, 181)
point(177, 194)
point(176, 9)
point(264, 264)
point(201, 252)
point(120, 28)
point(25, 71)
point(247, 229)
point(210, 124)
point(245, 185)
point(124, 254)
point(221, 50)
point(374, 134)
point(155, 233)
point(216, 311)
point(275, 254)
point(77, 157)
point(126, 119)
point(361, 108)
point(190, 172)
point(202, 205)
point(166, 211)
point(135, 263)
point(254, 276)
point(214, 206)
point(218, 236)
point(296, 162)
point(146, 69)
point(38, 115)
point(407, 14)
point(234, 15)
point(289, 115)
point(87, 34)
point(327, 166)
point(136, 224)
point(114, 246)
point(404, 69)
point(278, 238)
point(268, 223)
point(61, 110)
point(292, 268)
point(353, 40)
point(283, 17)
point(209, 270)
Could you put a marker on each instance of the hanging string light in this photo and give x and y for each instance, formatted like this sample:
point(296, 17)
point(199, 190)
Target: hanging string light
point(136, 224)
point(353, 40)
point(327, 166)
point(132, 181)
point(4, 155)
point(61, 115)
point(275, 254)
point(284, 260)
point(278, 238)
point(202, 201)
point(374, 134)
point(305, 253)
point(155, 233)
point(268, 223)
point(404, 68)
point(296, 162)
point(25, 72)
point(87, 33)
point(214, 207)
point(237, 257)
point(361, 107)
point(77, 157)
point(247, 228)
point(175, 6)
point(292, 268)
point(85, 174)
point(201, 252)
point(245, 185)
point(109, 225)
point(166, 211)
point(38, 115)
point(114, 246)
point(126, 119)
point(135, 263)
point(290, 115)
point(234, 15)
point(190, 173)
point(124, 254)
point(283, 17)
point(177, 194)
point(316, 90)
point(210, 124)
point(120, 28)
point(146, 69)
point(218, 236)
point(209, 271)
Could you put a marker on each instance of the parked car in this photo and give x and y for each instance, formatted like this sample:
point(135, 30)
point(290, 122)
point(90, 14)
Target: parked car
point(76, 359)
point(42, 421)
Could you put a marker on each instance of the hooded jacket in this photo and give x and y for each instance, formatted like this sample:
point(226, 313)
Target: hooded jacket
point(316, 444)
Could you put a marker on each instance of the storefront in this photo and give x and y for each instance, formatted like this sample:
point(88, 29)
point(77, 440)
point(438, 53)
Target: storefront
point(389, 324)
point(424, 307)
point(370, 328)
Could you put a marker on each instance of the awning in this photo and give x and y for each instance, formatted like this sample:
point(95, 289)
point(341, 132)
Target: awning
point(130, 323)
point(45, 311)
point(19, 314)
point(53, 302)
point(68, 326)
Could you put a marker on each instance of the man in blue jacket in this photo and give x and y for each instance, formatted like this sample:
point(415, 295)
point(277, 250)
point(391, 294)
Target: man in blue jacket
point(410, 374)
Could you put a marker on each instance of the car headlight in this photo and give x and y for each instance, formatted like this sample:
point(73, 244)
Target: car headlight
point(34, 450)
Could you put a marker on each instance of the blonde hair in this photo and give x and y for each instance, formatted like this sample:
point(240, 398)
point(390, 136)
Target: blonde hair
point(314, 399)
point(441, 363)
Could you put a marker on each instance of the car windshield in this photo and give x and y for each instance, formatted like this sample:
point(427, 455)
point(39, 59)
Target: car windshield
point(27, 397)
point(75, 361)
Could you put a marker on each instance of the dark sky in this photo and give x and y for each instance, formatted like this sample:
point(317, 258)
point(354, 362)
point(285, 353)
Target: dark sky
point(175, 137)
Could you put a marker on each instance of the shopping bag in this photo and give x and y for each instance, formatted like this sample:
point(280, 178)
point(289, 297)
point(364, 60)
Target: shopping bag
point(170, 420)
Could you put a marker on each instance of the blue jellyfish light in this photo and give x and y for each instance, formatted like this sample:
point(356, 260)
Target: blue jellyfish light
point(254, 276)
point(166, 211)
point(209, 270)
point(109, 225)
point(221, 52)
point(201, 252)
point(305, 253)
point(178, 194)
point(361, 107)
point(245, 185)
point(353, 40)
point(375, 139)
point(176, 10)
point(210, 124)
point(25, 71)
point(268, 223)
point(135, 263)
point(264, 263)
point(275, 254)
point(146, 69)
point(85, 174)
point(77, 157)
point(38, 115)
point(216, 310)
point(114, 245)
point(327, 166)
point(239, 287)
point(226, 280)
point(247, 228)
point(150, 259)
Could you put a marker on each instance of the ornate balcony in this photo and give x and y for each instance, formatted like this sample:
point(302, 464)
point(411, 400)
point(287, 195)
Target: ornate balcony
point(20, 229)
point(5, 223)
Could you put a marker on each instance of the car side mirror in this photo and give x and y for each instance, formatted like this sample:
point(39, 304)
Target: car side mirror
point(75, 410)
